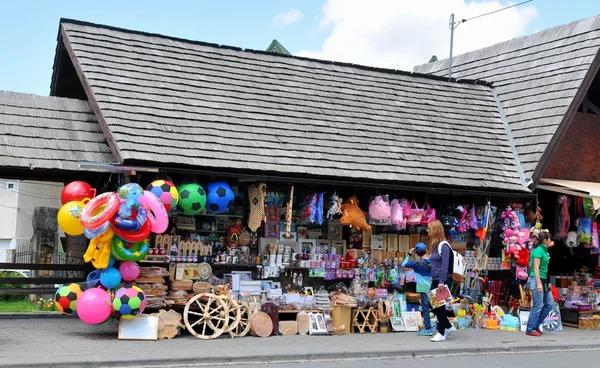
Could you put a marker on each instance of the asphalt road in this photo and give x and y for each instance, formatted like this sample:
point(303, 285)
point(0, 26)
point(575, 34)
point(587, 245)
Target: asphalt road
point(558, 359)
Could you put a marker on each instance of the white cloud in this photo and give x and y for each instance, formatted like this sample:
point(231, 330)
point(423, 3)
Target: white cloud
point(401, 34)
point(286, 18)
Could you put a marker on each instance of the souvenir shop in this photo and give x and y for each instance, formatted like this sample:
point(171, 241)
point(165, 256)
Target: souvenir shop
point(233, 257)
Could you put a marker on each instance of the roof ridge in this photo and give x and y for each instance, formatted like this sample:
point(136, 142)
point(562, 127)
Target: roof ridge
point(538, 33)
point(41, 96)
point(240, 49)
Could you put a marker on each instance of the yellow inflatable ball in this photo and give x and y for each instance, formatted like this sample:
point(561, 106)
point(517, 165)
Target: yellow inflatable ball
point(68, 218)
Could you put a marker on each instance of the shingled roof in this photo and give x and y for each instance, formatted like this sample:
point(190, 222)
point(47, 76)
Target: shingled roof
point(39, 132)
point(171, 101)
point(540, 80)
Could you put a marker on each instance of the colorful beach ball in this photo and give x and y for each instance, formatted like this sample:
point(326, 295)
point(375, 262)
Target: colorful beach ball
point(166, 192)
point(66, 297)
point(192, 199)
point(129, 302)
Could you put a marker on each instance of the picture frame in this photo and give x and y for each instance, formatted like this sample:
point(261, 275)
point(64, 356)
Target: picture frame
point(340, 247)
point(317, 324)
point(334, 229)
point(307, 246)
point(397, 324)
point(263, 242)
point(411, 321)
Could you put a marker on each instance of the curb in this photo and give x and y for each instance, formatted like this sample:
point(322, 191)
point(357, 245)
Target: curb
point(29, 315)
point(300, 357)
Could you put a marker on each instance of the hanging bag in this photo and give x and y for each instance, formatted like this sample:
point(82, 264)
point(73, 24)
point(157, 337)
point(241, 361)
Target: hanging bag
point(429, 214)
point(416, 214)
point(398, 215)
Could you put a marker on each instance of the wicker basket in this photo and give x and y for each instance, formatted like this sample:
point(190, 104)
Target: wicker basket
point(201, 287)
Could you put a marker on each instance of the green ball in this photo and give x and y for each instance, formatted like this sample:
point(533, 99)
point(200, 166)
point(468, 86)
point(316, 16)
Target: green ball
point(192, 199)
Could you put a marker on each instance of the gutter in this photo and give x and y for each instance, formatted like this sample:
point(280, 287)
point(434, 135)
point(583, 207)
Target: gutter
point(511, 141)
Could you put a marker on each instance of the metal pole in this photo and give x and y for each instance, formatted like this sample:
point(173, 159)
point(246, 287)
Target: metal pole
point(451, 44)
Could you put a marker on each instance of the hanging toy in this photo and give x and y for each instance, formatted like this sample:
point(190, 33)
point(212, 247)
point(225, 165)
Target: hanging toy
point(319, 209)
point(335, 204)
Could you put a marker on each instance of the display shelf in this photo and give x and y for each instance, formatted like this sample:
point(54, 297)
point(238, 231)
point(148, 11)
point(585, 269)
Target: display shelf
point(210, 231)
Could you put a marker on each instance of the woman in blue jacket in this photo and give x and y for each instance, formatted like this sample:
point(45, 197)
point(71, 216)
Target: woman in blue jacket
point(439, 275)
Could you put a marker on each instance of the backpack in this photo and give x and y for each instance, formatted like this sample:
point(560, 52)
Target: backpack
point(456, 265)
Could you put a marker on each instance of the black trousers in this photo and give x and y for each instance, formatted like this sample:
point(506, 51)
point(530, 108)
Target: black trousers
point(440, 313)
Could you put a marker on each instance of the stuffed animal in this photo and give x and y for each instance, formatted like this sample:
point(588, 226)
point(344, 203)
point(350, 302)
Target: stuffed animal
point(353, 216)
point(523, 259)
point(507, 216)
point(463, 223)
point(335, 204)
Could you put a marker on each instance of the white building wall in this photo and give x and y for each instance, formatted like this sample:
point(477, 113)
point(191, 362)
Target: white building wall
point(17, 205)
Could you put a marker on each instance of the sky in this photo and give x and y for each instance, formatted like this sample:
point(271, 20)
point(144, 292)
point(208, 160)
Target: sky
point(394, 34)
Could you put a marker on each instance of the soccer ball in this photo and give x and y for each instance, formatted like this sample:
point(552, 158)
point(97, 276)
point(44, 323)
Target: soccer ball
point(129, 302)
point(166, 192)
point(65, 298)
point(220, 197)
point(192, 199)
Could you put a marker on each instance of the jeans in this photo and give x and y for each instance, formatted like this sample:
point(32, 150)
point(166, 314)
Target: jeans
point(440, 313)
point(543, 302)
point(425, 310)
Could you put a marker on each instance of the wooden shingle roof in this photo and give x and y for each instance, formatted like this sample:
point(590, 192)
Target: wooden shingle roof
point(172, 101)
point(540, 80)
point(39, 132)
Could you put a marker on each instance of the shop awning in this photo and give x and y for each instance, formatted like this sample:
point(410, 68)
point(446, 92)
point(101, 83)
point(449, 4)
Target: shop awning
point(577, 188)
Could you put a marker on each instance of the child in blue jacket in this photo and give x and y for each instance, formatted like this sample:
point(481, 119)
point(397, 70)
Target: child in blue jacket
point(422, 268)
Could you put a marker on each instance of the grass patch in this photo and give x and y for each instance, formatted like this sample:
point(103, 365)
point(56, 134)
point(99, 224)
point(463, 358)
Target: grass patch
point(19, 306)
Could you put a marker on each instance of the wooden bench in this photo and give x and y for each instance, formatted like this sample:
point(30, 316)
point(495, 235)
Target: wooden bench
point(46, 284)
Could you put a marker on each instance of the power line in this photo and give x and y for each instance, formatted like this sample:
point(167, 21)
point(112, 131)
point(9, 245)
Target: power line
point(453, 25)
point(496, 11)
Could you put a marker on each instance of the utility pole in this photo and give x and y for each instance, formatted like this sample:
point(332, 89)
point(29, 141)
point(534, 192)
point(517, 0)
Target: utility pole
point(453, 25)
point(451, 43)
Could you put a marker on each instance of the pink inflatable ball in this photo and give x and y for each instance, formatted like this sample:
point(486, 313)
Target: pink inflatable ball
point(94, 306)
point(129, 271)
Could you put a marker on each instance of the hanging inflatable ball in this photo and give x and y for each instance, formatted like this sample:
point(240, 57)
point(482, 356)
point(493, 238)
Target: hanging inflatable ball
point(220, 197)
point(166, 192)
point(192, 199)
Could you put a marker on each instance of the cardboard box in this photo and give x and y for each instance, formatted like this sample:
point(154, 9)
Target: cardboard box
point(413, 240)
point(366, 239)
point(378, 256)
point(404, 243)
point(392, 242)
point(378, 242)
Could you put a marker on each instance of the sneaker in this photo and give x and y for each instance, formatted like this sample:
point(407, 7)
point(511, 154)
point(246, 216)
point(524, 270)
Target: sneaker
point(450, 331)
point(533, 333)
point(539, 331)
point(438, 337)
point(425, 333)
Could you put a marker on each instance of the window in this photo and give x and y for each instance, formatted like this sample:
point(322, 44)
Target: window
point(11, 185)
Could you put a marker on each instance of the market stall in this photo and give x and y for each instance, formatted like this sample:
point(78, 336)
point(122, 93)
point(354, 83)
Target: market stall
point(227, 255)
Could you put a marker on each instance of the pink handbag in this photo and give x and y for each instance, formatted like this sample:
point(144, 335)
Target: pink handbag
point(405, 207)
point(397, 213)
point(428, 214)
point(379, 211)
point(416, 214)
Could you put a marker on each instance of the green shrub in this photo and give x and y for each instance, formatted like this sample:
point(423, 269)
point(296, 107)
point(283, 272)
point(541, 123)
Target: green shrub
point(8, 298)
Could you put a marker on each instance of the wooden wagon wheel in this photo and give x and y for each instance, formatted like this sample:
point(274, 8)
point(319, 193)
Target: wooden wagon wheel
point(206, 316)
point(234, 312)
point(243, 326)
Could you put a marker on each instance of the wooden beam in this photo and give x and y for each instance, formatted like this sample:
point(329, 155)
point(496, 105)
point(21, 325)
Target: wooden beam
point(26, 291)
point(566, 121)
point(91, 97)
point(42, 266)
point(40, 280)
point(593, 107)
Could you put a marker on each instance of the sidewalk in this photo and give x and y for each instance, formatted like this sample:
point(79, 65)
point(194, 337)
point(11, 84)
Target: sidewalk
point(68, 342)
